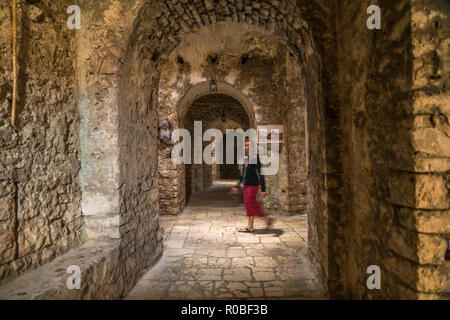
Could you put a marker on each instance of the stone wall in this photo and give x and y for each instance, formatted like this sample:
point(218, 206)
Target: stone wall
point(172, 199)
point(40, 214)
point(141, 235)
point(393, 89)
point(423, 225)
point(119, 108)
point(323, 153)
point(296, 184)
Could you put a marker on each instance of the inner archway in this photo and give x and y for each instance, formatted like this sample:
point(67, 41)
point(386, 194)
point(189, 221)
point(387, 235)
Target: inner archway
point(214, 111)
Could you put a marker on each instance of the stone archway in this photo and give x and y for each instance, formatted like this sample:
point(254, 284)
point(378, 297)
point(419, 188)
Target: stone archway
point(219, 112)
point(248, 67)
point(127, 95)
point(202, 89)
point(174, 199)
point(132, 98)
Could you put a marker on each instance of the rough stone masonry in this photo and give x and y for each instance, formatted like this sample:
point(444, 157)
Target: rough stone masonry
point(367, 157)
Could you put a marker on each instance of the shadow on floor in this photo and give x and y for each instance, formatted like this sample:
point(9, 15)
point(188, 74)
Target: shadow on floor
point(276, 232)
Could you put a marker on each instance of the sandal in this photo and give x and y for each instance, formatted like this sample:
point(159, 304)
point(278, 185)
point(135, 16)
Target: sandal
point(246, 230)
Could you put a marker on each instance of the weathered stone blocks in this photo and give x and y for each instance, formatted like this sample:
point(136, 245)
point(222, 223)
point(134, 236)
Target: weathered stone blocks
point(418, 247)
point(432, 141)
point(429, 221)
point(38, 160)
point(7, 246)
point(427, 191)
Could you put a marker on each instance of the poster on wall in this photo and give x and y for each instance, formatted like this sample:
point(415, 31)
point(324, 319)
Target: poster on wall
point(267, 133)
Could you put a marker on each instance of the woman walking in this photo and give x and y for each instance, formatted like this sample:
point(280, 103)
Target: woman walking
point(252, 179)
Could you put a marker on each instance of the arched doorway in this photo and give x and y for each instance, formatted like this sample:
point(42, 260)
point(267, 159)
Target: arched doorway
point(214, 111)
point(132, 193)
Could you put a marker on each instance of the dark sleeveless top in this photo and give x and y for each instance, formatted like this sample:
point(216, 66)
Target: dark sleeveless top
point(251, 175)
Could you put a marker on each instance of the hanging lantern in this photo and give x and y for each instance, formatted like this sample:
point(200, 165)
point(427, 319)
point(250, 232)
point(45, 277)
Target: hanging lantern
point(213, 86)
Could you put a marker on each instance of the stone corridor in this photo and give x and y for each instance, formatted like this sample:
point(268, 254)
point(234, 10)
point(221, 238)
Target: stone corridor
point(96, 191)
point(206, 258)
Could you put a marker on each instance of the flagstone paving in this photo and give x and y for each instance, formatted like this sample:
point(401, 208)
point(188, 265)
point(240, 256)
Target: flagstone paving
point(206, 258)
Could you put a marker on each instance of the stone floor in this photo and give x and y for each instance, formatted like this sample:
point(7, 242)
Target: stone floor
point(206, 258)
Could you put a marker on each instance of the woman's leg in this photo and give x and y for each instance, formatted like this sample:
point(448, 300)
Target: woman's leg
point(250, 222)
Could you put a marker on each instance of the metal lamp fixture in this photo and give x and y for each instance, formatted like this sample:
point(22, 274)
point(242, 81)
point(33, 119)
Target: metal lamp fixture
point(213, 86)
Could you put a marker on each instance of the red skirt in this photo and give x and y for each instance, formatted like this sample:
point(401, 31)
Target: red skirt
point(251, 203)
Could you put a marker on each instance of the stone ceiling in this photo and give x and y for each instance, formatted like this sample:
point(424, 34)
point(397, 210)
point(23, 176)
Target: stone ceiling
point(210, 107)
